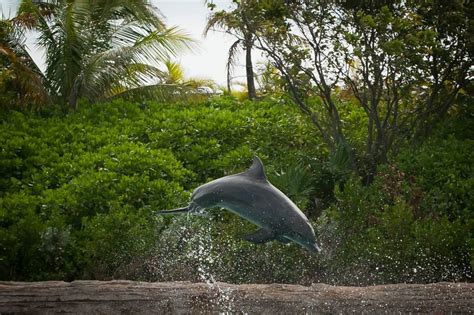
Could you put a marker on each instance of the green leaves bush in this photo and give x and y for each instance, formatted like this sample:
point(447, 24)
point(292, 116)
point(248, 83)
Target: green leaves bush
point(413, 224)
point(380, 241)
point(77, 190)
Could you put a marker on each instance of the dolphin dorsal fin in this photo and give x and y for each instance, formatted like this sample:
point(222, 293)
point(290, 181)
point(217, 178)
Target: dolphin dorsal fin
point(256, 171)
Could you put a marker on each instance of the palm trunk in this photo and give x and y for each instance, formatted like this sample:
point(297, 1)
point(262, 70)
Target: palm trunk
point(73, 97)
point(249, 70)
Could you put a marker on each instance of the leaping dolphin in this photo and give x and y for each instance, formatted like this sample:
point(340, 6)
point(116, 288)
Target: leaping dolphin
point(251, 196)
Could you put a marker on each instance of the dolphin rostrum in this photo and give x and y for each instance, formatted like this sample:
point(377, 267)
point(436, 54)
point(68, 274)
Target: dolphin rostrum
point(251, 196)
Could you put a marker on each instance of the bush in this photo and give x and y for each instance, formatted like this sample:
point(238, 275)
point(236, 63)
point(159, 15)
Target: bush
point(77, 190)
point(413, 224)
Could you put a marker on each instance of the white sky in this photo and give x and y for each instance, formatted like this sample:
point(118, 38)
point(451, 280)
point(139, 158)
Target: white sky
point(208, 62)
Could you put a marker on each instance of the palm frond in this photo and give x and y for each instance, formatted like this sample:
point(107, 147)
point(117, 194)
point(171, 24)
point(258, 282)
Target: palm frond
point(220, 20)
point(142, 12)
point(163, 44)
point(152, 46)
point(96, 47)
point(231, 61)
point(29, 12)
point(175, 73)
point(339, 160)
point(296, 181)
point(198, 82)
point(19, 69)
point(115, 63)
point(65, 32)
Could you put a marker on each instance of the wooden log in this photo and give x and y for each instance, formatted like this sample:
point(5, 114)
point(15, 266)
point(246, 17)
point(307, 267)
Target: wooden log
point(115, 297)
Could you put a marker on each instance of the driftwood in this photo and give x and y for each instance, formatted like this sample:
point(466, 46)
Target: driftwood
point(115, 297)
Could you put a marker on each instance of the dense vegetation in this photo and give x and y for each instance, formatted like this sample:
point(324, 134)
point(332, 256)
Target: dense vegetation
point(78, 193)
point(362, 115)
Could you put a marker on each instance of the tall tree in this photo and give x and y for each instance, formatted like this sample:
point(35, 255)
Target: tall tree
point(98, 49)
point(404, 62)
point(239, 23)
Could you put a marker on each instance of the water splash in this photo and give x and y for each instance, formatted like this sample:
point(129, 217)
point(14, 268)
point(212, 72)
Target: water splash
point(201, 251)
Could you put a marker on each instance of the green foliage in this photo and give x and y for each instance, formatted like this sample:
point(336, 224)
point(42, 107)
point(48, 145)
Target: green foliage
point(296, 182)
point(443, 167)
point(406, 64)
point(373, 241)
point(77, 191)
point(112, 242)
point(413, 224)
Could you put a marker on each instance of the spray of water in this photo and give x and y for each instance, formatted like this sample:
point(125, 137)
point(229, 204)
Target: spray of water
point(201, 251)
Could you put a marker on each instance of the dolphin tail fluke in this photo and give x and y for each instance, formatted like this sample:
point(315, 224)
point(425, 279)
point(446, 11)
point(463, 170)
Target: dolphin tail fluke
point(173, 211)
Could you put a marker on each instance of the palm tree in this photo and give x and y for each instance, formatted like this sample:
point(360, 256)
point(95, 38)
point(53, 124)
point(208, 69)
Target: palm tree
point(239, 24)
point(21, 82)
point(100, 48)
point(175, 75)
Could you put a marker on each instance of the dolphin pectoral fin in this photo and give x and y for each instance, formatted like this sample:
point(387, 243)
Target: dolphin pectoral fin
point(283, 239)
point(260, 236)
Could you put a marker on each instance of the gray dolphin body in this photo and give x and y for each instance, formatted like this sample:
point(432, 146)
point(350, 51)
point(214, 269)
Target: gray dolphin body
point(251, 196)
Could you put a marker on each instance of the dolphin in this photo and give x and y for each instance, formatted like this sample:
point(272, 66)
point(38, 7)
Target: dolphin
point(251, 196)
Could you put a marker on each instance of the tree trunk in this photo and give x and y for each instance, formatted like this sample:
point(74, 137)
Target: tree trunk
point(73, 97)
point(249, 70)
point(114, 297)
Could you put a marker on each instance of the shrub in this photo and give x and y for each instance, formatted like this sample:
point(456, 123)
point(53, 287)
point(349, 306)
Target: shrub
point(77, 190)
point(376, 234)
